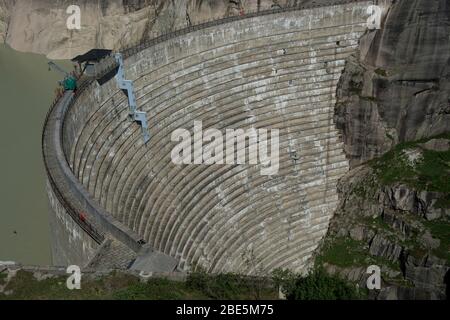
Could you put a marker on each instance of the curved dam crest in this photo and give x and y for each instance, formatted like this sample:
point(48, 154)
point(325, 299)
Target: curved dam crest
point(277, 71)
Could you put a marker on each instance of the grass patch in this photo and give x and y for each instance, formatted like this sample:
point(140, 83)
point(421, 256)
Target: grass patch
point(318, 285)
point(434, 171)
point(231, 286)
point(321, 286)
point(440, 230)
point(158, 289)
point(344, 252)
point(377, 223)
point(25, 286)
point(381, 261)
point(119, 286)
point(431, 173)
point(443, 202)
point(393, 167)
point(381, 72)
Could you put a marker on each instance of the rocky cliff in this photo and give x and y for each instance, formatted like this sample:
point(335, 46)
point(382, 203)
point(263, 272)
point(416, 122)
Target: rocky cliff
point(385, 219)
point(398, 89)
point(5, 7)
point(40, 26)
point(393, 109)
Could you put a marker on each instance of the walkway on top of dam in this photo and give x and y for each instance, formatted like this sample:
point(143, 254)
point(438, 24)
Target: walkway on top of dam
point(303, 5)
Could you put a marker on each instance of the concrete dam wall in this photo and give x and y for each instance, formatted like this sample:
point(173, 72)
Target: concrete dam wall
point(273, 71)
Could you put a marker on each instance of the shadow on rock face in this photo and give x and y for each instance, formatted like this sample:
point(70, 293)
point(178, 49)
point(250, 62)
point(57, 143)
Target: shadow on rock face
point(400, 90)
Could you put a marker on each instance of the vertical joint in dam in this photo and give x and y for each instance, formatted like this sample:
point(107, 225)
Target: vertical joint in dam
point(275, 71)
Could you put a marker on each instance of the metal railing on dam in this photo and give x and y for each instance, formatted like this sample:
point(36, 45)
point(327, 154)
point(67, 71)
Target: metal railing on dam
point(133, 49)
point(71, 194)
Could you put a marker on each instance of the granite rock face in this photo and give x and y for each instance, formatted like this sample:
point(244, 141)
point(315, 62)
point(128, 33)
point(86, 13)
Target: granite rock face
point(39, 26)
point(5, 7)
point(390, 225)
point(398, 89)
point(437, 145)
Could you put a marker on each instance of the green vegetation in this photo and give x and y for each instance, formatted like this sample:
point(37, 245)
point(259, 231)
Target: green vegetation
point(431, 172)
point(440, 230)
point(199, 285)
point(317, 286)
point(443, 202)
point(346, 252)
point(127, 287)
point(355, 87)
point(25, 286)
point(377, 223)
point(393, 167)
point(367, 189)
point(158, 289)
point(381, 72)
point(343, 252)
point(231, 286)
point(409, 164)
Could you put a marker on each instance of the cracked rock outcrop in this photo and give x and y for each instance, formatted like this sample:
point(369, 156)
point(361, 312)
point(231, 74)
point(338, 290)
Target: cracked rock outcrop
point(386, 231)
point(398, 89)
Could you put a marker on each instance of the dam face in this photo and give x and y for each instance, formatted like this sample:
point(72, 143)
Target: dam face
point(276, 71)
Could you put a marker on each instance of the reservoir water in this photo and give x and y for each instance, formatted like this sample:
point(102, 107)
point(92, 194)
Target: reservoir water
point(26, 92)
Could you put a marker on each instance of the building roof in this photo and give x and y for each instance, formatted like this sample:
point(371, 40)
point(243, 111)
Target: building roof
point(93, 55)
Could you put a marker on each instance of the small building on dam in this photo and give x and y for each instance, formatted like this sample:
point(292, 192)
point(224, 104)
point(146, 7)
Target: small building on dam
point(119, 200)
